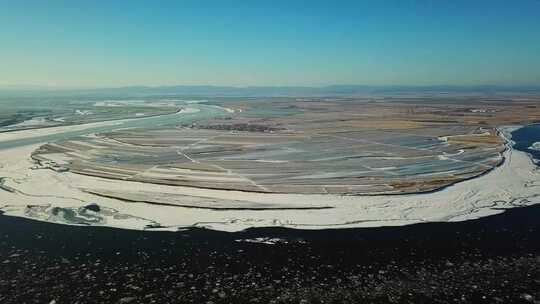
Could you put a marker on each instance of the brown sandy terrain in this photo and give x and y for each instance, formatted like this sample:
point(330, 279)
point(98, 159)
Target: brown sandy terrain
point(316, 146)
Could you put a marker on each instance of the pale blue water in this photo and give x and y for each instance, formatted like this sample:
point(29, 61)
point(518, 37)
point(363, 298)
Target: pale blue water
point(148, 122)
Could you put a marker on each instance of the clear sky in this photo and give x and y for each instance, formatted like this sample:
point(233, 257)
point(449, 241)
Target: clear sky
point(251, 42)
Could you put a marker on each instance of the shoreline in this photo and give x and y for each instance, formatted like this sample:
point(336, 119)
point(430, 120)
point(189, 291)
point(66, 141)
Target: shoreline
point(90, 125)
point(87, 123)
point(461, 201)
point(494, 259)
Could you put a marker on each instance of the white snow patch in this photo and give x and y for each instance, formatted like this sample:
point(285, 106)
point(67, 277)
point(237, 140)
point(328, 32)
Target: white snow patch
point(514, 183)
point(535, 146)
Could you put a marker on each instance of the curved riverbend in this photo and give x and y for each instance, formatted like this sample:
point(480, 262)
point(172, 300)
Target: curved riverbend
point(10, 140)
point(49, 196)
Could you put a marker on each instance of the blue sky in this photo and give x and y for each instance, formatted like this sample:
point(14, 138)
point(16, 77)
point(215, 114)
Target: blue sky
point(119, 43)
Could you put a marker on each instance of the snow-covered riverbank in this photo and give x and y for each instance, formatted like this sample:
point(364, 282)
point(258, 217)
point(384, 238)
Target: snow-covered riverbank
point(59, 197)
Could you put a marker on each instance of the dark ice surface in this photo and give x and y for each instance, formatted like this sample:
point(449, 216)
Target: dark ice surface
point(491, 260)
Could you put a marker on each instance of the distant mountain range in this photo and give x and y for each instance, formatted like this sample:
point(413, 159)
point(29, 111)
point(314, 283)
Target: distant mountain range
point(263, 91)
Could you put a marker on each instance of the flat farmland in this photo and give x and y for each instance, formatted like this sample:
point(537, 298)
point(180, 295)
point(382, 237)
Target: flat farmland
point(345, 147)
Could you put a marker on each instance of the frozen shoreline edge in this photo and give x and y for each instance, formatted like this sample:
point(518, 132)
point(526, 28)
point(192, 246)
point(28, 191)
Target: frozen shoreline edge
point(391, 216)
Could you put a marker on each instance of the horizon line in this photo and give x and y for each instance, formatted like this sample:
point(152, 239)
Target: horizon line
point(24, 87)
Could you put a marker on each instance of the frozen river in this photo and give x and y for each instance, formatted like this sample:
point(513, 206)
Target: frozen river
point(204, 111)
